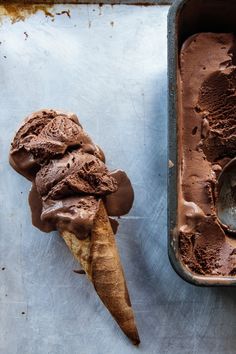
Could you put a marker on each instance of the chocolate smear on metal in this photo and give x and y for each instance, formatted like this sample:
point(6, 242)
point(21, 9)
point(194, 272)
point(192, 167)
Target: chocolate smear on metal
point(18, 12)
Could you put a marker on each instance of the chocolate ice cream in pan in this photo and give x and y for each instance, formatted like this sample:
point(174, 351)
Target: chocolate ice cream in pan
point(202, 141)
point(74, 192)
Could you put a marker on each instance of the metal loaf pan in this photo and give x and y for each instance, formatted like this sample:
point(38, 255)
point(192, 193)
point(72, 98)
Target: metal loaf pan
point(187, 17)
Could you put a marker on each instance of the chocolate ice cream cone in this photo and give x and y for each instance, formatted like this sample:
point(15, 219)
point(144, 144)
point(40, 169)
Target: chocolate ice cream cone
point(69, 181)
point(99, 257)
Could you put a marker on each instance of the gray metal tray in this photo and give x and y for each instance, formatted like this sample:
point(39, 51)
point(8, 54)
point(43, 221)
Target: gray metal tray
point(115, 78)
point(187, 17)
point(107, 64)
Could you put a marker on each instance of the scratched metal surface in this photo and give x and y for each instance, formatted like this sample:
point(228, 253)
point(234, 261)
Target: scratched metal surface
point(109, 65)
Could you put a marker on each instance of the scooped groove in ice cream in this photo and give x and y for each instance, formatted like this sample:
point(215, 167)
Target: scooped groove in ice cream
point(207, 142)
point(68, 174)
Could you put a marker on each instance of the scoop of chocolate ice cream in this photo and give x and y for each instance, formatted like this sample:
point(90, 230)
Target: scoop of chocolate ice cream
point(76, 172)
point(46, 134)
point(57, 136)
point(74, 214)
point(68, 172)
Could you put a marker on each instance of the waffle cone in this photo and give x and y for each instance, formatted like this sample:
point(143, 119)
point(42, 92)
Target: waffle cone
point(99, 257)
